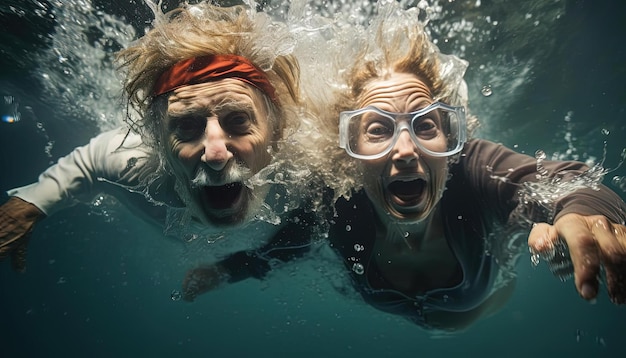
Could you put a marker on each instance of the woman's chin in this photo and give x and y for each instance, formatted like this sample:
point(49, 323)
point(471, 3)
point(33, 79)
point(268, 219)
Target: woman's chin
point(407, 211)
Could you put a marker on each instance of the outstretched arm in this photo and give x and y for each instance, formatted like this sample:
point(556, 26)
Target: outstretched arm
point(291, 242)
point(74, 178)
point(585, 226)
point(112, 155)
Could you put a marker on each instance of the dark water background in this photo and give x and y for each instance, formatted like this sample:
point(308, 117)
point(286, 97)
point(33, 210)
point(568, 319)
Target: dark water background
point(99, 284)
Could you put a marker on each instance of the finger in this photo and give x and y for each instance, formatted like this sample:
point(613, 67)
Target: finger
point(9, 240)
point(197, 281)
point(542, 238)
point(583, 250)
point(18, 257)
point(611, 239)
point(190, 287)
point(4, 251)
point(545, 244)
point(6, 246)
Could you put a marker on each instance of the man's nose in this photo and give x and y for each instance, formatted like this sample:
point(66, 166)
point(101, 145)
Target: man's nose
point(405, 152)
point(216, 152)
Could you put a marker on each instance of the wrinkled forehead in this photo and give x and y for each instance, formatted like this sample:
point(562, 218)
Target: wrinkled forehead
point(215, 95)
point(394, 88)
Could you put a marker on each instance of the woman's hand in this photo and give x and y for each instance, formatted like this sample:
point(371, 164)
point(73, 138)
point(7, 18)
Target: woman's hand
point(593, 242)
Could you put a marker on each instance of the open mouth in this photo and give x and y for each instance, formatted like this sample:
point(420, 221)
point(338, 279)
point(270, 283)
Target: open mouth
point(223, 196)
point(406, 192)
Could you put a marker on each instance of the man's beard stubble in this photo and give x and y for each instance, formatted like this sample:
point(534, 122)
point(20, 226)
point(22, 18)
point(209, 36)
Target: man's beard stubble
point(235, 172)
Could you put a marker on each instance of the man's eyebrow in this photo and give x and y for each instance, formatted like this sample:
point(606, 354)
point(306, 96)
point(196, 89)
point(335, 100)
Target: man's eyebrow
point(234, 106)
point(188, 111)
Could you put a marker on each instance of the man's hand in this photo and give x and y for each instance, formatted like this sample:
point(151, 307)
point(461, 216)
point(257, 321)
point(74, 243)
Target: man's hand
point(17, 220)
point(203, 279)
point(593, 241)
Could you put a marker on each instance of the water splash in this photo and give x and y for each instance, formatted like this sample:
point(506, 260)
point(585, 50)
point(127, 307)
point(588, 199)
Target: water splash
point(619, 182)
point(77, 70)
point(537, 202)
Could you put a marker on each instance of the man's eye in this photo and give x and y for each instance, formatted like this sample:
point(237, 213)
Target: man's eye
point(188, 128)
point(237, 123)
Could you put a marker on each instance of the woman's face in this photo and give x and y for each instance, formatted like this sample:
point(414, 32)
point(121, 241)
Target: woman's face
point(405, 185)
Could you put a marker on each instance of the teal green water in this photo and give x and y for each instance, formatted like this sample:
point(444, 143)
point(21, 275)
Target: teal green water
point(100, 285)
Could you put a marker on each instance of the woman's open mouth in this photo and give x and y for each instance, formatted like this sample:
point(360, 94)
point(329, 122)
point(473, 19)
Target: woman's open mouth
point(406, 192)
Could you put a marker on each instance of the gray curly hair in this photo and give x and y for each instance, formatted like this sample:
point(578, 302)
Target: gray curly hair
point(200, 30)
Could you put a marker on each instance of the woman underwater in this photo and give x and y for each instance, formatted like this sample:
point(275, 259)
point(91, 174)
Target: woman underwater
point(421, 236)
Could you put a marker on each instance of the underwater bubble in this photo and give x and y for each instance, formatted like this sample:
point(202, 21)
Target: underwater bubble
point(176, 295)
point(619, 182)
point(358, 247)
point(348, 228)
point(99, 201)
point(189, 237)
point(534, 260)
point(358, 268)
point(211, 239)
point(568, 116)
point(486, 90)
point(605, 131)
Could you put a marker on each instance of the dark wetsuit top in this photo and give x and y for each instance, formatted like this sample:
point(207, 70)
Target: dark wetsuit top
point(481, 193)
point(473, 202)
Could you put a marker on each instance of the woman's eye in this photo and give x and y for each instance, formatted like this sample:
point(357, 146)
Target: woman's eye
point(425, 127)
point(378, 130)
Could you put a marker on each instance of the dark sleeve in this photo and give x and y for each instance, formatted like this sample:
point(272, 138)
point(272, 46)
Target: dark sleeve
point(244, 264)
point(498, 173)
point(291, 242)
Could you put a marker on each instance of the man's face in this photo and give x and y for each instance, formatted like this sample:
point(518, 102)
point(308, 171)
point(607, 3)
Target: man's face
point(219, 136)
point(406, 184)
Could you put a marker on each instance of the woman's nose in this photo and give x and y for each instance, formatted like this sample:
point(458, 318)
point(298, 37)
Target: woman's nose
point(405, 152)
point(216, 153)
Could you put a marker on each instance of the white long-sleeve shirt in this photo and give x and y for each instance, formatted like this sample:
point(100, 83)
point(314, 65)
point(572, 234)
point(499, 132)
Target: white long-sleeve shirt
point(119, 156)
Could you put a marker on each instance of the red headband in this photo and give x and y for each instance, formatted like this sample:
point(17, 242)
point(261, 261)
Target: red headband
point(211, 68)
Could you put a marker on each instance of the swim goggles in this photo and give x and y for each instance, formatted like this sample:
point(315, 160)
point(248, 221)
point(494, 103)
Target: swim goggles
point(438, 130)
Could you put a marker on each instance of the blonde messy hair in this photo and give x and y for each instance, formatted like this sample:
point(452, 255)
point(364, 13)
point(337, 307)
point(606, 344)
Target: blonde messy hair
point(394, 41)
point(404, 47)
point(200, 30)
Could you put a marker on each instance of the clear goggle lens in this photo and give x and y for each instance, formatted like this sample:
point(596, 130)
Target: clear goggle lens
point(438, 130)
